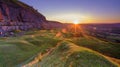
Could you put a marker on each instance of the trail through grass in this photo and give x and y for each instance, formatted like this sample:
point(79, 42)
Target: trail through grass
point(17, 51)
point(69, 55)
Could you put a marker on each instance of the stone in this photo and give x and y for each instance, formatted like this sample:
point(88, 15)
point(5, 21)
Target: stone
point(16, 15)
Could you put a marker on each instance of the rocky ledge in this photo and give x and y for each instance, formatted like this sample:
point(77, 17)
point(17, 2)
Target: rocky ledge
point(16, 15)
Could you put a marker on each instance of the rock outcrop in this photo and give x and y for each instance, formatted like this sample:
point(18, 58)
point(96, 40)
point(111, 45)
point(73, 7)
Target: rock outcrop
point(15, 15)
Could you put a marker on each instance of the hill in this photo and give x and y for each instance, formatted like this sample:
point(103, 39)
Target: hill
point(67, 54)
point(18, 16)
point(43, 47)
point(50, 48)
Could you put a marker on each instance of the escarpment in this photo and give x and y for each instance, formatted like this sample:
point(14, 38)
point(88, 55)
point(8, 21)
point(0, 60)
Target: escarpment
point(16, 15)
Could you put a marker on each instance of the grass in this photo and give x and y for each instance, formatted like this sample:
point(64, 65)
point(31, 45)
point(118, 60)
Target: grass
point(107, 48)
point(16, 50)
point(87, 59)
point(69, 55)
point(66, 52)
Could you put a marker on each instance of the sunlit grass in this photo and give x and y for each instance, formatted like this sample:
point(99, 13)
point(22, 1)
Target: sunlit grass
point(68, 54)
point(21, 50)
point(16, 50)
point(106, 48)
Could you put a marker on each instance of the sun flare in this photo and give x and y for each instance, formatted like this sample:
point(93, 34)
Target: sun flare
point(76, 21)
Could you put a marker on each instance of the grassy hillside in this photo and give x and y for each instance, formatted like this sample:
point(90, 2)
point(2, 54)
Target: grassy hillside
point(67, 54)
point(15, 50)
point(106, 48)
point(55, 51)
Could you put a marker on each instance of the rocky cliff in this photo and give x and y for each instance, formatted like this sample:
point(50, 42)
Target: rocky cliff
point(15, 15)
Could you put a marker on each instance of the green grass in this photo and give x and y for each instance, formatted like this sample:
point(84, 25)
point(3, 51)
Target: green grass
point(87, 59)
point(69, 55)
point(16, 50)
point(107, 48)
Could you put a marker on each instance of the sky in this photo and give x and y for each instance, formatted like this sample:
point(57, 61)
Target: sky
point(85, 11)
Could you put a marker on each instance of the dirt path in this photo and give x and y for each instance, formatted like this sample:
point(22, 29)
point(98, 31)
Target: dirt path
point(38, 57)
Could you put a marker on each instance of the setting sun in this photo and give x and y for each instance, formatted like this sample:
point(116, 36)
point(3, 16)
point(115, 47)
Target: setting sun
point(76, 21)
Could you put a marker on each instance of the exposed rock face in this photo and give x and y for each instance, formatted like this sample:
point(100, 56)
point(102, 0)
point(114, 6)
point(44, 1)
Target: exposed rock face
point(16, 15)
point(17, 11)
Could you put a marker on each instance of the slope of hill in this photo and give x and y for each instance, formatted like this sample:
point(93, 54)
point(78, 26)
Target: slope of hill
point(107, 48)
point(67, 54)
point(48, 48)
point(16, 50)
point(44, 48)
point(16, 15)
point(14, 10)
